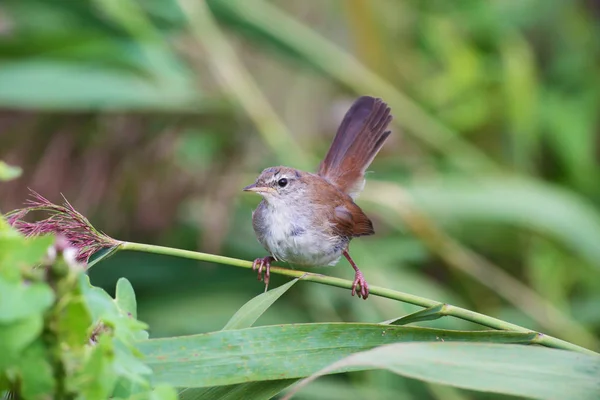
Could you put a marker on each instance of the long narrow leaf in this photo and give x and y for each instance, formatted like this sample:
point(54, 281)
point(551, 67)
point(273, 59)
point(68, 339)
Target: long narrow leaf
point(247, 315)
point(428, 314)
point(535, 372)
point(284, 351)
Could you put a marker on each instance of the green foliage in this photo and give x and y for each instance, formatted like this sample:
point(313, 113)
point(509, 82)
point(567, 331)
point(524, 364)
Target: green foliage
point(81, 65)
point(8, 172)
point(283, 351)
point(60, 337)
point(427, 314)
point(494, 138)
point(246, 316)
point(539, 373)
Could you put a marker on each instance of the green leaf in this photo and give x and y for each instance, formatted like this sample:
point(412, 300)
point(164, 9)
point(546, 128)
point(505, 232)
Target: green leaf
point(283, 351)
point(8, 172)
point(428, 314)
point(37, 375)
point(125, 297)
point(544, 208)
point(74, 321)
point(247, 315)
point(58, 85)
point(528, 371)
point(104, 308)
point(17, 252)
point(96, 379)
point(163, 392)
point(19, 300)
point(253, 390)
point(16, 336)
point(102, 255)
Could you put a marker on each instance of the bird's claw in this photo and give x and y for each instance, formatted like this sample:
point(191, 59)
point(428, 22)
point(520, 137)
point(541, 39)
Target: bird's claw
point(260, 264)
point(360, 286)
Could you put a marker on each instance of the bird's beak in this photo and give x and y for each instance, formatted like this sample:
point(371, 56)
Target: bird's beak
point(258, 189)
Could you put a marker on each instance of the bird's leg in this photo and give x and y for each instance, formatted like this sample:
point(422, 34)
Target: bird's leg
point(359, 286)
point(261, 263)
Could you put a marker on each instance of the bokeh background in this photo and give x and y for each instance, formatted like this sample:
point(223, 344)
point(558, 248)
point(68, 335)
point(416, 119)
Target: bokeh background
point(151, 115)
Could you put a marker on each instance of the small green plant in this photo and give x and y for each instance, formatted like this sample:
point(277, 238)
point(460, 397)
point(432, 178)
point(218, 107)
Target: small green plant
point(61, 337)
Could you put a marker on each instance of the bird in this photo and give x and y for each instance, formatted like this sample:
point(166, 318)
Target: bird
point(308, 219)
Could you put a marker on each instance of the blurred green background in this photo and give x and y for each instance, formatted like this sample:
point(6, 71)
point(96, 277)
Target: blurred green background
point(151, 115)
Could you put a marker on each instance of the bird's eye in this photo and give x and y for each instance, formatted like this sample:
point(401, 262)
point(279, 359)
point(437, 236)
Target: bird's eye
point(282, 182)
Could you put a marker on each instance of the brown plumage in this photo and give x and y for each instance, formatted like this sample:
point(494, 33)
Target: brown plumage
point(357, 141)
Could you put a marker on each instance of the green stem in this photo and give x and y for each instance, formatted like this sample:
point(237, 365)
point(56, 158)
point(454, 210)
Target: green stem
point(454, 311)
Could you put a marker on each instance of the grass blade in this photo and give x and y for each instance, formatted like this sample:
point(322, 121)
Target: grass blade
point(284, 351)
point(247, 315)
point(517, 370)
point(428, 314)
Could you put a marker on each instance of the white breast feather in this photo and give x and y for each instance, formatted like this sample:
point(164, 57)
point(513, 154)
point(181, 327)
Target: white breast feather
point(312, 248)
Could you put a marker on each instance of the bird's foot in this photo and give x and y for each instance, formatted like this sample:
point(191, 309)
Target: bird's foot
point(360, 286)
point(261, 264)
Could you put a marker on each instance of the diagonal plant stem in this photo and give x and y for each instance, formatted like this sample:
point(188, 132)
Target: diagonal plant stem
point(449, 310)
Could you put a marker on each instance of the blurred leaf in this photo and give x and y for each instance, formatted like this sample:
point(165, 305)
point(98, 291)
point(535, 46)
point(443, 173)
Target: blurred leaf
point(125, 297)
point(73, 322)
point(17, 335)
point(283, 351)
point(163, 392)
point(20, 300)
point(254, 390)
point(18, 252)
point(517, 370)
point(55, 85)
point(35, 370)
point(550, 274)
point(428, 314)
point(81, 46)
point(247, 315)
point(96, 378)
point(376, 386)
point(40, 17)
point(527, 204)
point(130, 16)
point(8, 172)
point(104, 309)
point(571, 128)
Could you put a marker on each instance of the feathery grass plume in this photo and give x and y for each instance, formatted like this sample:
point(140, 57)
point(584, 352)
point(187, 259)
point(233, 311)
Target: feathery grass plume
point(64, 221)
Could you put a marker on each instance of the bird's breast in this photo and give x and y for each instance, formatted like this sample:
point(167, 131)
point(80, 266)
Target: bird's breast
point(294, 236)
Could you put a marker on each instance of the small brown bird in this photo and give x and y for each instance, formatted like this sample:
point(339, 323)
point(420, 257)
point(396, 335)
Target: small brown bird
point(309, 219)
